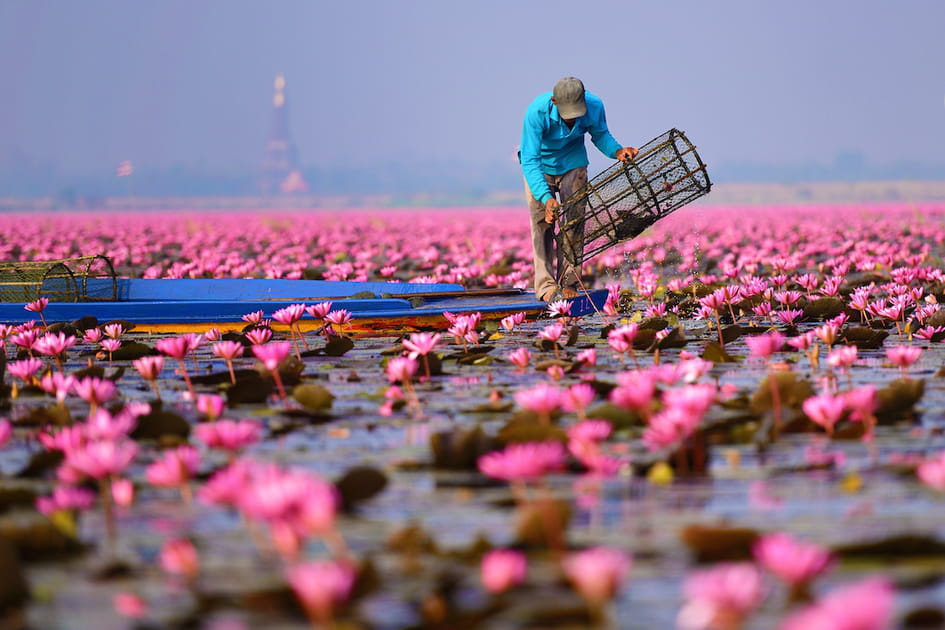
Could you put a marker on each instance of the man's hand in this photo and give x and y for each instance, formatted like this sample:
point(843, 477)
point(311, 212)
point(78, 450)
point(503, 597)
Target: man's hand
point(626, 154)
point(551, 210)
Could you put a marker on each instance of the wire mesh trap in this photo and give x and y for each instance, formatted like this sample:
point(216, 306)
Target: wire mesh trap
point(628, 197)
point(81, 279)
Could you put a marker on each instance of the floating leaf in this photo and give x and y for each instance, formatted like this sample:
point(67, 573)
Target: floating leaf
point(731, 333)
point(250, 389)
point(14, 587)
point(35, 537)
point(525, 427)
point(540, 521)
point(898, 398)
point(792, 392)
point(337, 346)
point(617, 416)
point(159, 423)
point(460, 448)
point(359, 484)
point(895, 547)
point(132, 350)
point(824, 308)
point(719, 544)
point(716, 353)
point(40, 463)
point(313, 397)
point(863, 338)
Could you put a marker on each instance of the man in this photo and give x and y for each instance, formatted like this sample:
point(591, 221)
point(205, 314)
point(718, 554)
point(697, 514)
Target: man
point(554, 161)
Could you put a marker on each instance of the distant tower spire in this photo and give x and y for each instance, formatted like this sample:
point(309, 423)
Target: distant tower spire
point(281, 162)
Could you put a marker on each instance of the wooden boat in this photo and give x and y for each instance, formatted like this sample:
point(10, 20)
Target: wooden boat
point(195, 305)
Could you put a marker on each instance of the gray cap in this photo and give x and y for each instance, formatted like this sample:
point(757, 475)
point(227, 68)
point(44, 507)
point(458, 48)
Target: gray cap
point(569, 97)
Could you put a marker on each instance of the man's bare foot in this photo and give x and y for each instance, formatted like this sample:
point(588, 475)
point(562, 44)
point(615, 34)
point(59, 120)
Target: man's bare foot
point(568, 293)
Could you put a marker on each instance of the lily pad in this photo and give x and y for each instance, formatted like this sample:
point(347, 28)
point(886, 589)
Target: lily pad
point(359, 484)
point(460, 448)
point(337, 346)
point(160, 423)
point(714, 352)
point(863, 338)
point(40, 463)
point(709, 543)
point(824, 308)
point(313, 397)
point(250, 389)
point(132, 350)
point(898, 398)
point(14, 587)
point(792, 391)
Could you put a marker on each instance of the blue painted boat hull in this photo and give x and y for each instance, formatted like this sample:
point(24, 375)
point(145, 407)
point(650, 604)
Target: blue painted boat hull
point(186, 305)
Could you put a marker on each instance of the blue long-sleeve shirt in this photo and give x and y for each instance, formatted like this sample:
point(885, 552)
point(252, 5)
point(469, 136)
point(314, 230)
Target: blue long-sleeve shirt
point(548, 146)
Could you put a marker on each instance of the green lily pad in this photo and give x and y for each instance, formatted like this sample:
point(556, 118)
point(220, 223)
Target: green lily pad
point(313, 397)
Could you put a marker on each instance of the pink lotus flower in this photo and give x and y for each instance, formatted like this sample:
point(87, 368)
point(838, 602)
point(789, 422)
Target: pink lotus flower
point(99, 460)
point(52, 344)
point(65, 498)
point(123, 492)
point(552, 332)
point(322, 586)
point(793, 561)
point(175, 468)
point(174, 347)
point(338, 319)
point(520, 357)
point(765, 345)
point(113, 331)
point(559, 308)
point(229, 435)
point(597, 573)
point(179, 557)
point(590, 431)
point(38, 306)
point(272, 354)
point(289, 315)
point(6, 431)
point(110, 346)
point(211, 405)
point(95, 391)
point(578, 397)
point(253, 318)
point(214, 334)
point(149, 368)
point(508, 323)
point(524, 461)
point(501, 569)
point(102, 425)
point(842, 357)
point(401, 369)
point(825, 410)
point(903, 356)
point(229, 350)
point(542, 399)
point(421, 344)
point(320, 310)
point(931, 472)
point(587, 356)
point(25, 369)
point(864, 605)
point(92, 335)
point(720, 597)
point(129, 605)
point(259, 336)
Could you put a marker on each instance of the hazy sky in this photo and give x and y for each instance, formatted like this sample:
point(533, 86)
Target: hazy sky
point(89, 83)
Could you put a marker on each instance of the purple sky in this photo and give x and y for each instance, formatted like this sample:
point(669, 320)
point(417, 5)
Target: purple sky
point(87, 84)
